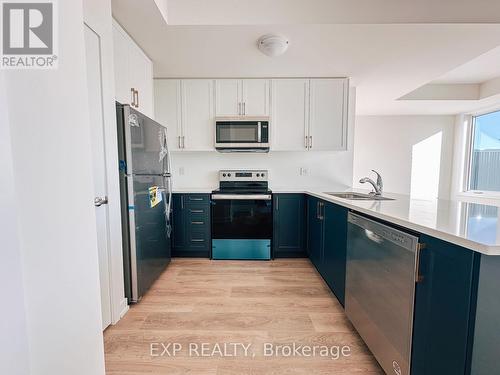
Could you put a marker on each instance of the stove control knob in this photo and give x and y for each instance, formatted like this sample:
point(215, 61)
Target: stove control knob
point(258, 175)
point(262, 175)
point(223, 175)
point(229, 175)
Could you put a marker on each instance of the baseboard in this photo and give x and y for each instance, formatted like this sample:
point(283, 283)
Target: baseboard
point(190, 254)
point(290, 254)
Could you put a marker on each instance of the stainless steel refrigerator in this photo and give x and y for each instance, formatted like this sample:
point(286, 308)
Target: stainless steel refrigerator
point(146, 196)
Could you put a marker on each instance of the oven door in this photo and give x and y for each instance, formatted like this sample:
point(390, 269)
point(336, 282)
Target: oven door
point(242, 226)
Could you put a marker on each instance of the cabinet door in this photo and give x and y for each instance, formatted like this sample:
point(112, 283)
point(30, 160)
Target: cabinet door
point(315, 233)
point(255, 97)
point(289, 225)
point(444, 305)
point(290, 114)
point(228, 97)
point(328, 114)
point(335, 247)
point(121, 46)
point(198, 114)
point(178, 223)
point(141, 72)
point(168, 109)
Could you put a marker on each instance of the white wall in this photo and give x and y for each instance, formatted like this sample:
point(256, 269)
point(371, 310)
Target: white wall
point(97, 15)
point(14, 350)
point(386, 144)
point(50, 142)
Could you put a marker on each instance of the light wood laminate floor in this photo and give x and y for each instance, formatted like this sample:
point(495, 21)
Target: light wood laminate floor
point(254, 303)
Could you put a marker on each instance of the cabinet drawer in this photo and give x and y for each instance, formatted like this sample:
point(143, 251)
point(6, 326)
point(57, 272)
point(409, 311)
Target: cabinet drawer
point(195, 199)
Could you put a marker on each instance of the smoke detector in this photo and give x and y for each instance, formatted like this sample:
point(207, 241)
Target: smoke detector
point(273, 45)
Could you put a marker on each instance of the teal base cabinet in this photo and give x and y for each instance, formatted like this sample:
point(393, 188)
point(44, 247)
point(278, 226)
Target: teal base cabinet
point(191, 234)
point(289, 226)
point(327, 242)
point(444, 309)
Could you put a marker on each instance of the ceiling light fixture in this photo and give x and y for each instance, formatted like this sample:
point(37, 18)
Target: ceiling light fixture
point(273, 45)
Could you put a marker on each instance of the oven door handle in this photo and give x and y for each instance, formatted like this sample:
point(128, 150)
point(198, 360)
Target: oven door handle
point(259, 197)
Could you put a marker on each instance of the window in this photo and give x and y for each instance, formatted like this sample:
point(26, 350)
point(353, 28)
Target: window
point(484, 172)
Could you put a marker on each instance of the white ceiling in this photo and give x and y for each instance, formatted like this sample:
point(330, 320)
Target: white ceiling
point(385, 61)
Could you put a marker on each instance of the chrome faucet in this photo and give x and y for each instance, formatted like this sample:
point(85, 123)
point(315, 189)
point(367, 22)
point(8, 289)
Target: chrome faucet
point(377, 186)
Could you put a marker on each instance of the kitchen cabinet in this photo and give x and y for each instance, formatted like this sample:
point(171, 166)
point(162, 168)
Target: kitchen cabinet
point(198, 114)
point(444, 308)
point(327, 242)
point(133, 73)
point(191, 235)
point(328, 102)
point(289, 228)
point(186, 107)
point(242, 97)
point(309, 114)
point(290, 114)
point(167, 95)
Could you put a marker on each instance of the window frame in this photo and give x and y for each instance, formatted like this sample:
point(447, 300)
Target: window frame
point(469, 146)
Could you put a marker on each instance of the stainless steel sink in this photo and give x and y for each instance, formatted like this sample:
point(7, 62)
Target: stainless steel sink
point(360, 196)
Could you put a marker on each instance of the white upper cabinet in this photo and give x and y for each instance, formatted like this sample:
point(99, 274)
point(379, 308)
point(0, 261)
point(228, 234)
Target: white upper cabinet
point(198, 125)
point(255, 97)
point(228, 97)
point(186, 107)
point(167, 104)
point(328, 114)
point(133, 73)
point(242, 97)
point(290, 114)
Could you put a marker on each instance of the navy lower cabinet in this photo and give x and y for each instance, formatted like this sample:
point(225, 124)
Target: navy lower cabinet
point(335, 248)
point(289, 226)
point(191, 225)
point(444, 309)
point(327, 242)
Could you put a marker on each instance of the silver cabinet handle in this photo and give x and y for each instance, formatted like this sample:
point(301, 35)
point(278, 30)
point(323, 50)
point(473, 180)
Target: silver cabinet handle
point(197, 240)
point(197, 211)
point(195, 199)
point(244, 108)
point(99, 201)
point(277, 203)
point(183, 142)
point(310, 141)
point(197, 222)
point(239, 109)
point(179, 141)
point(306, 143)
point(132, 97)
point(137, 98)
point(182, 202)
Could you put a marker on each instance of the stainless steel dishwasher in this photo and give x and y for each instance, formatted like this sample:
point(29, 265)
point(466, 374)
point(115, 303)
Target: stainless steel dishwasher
point(382, 268)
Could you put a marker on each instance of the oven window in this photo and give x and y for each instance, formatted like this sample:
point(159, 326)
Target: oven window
point(242, 219)
point(237, 133)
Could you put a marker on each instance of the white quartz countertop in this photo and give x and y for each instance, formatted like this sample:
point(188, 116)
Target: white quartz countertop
point(471, 225)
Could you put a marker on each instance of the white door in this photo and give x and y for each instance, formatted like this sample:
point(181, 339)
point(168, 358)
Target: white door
point(290, 114)
point(167, 99)
point(228, 97)
point(94, 81)
point(328, 114)
point(123, 85)
point(198, 121)
point(255, 93)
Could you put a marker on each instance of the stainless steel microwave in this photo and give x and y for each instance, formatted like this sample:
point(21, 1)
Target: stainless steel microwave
point(242, 134)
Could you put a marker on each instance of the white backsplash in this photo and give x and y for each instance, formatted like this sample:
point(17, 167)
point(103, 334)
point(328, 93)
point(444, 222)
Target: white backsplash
point(195, 170)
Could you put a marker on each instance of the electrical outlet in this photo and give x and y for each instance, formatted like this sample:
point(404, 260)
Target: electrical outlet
point(181, 171)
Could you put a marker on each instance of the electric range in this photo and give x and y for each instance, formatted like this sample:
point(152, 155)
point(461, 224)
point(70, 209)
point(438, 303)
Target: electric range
point(242, 215)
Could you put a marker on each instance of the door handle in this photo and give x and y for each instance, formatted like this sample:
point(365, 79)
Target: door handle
point(137, 98)
point(99, 201)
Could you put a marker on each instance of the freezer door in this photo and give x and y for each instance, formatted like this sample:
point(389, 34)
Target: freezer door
point(149, 240)
point(143, 137)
